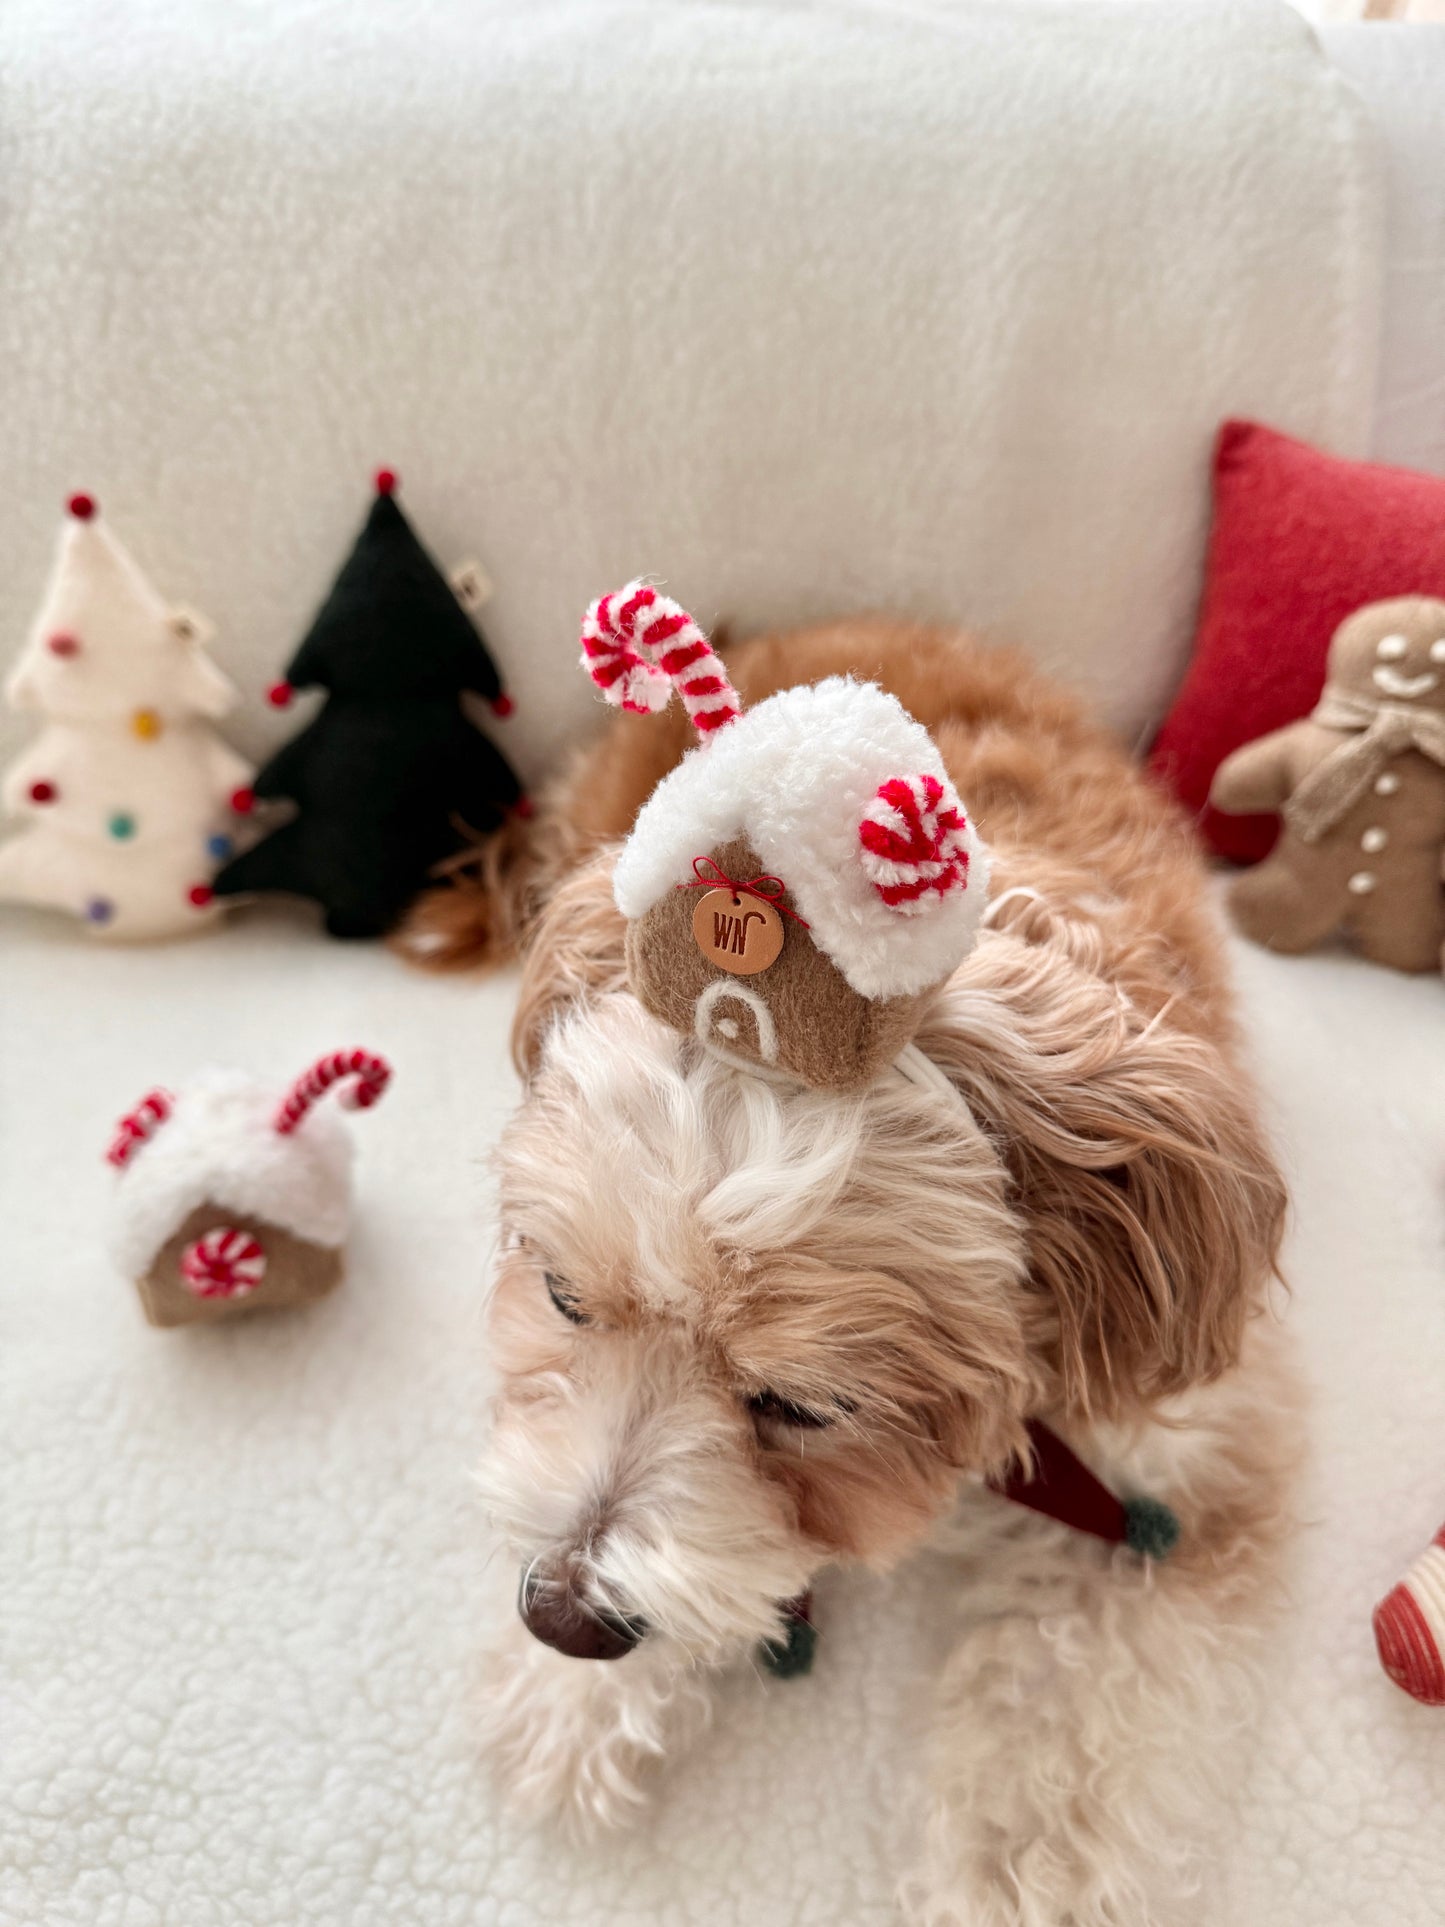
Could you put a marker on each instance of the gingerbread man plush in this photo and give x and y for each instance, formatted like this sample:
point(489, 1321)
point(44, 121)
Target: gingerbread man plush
point(1360, 783)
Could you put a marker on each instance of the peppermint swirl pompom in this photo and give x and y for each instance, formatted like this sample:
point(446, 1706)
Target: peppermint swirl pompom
point(915, 843)
point(225, 1263)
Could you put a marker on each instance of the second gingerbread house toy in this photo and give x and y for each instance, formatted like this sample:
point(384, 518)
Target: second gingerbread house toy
point(235, 1195)
point(805, 878)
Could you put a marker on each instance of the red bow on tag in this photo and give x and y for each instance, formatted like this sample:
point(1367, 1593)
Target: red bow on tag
point(709, 875)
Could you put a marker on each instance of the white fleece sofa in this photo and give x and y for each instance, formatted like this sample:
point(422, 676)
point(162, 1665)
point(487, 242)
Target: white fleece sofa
point(806, 307)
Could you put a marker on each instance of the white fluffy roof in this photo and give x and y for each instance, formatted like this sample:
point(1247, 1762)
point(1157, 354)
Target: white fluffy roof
point(219, 1144)
point(797, 776)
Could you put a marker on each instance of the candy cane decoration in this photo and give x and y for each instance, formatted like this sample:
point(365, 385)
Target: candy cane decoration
point(1410, 1627)
point(915, 847)
point(371, 1073)
point(637, 646)
point(137, 1125)
point(225, 1263)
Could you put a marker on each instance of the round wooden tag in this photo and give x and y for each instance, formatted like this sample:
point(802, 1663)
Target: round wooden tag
point(742, 933)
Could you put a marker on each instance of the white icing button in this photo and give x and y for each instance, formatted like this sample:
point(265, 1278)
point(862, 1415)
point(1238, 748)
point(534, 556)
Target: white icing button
point(1373, 841)
point(1362, 882)
point(1387, 784)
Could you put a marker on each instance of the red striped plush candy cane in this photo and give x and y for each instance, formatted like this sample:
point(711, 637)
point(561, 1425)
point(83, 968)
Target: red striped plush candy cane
point(638, 645)
point(371, 1075)
point(137, 1125)
point(1410, 1627)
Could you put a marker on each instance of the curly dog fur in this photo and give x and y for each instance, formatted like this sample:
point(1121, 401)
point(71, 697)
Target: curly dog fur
point(745, 1330)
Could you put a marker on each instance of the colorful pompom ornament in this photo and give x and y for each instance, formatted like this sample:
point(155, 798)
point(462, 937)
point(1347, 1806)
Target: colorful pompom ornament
point(235, 1196)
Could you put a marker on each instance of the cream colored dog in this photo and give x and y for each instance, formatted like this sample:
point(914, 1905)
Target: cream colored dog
point(745, 1329)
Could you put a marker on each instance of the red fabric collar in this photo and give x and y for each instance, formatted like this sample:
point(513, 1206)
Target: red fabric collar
point(1062, 1487)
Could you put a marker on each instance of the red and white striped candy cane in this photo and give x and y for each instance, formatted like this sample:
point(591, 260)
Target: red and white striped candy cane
point(637, 646)
point(371, 1075)
point(137, 1125)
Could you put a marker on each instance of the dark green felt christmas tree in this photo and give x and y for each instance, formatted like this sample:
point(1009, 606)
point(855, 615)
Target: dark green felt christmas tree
point(390, 776)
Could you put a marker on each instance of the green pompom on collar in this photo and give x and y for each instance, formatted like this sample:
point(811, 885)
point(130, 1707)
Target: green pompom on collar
point(1150, 1528)
point(791, 1657)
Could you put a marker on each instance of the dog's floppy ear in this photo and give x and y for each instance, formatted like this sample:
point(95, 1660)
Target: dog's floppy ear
point(576, 950)
point(1153, 1207)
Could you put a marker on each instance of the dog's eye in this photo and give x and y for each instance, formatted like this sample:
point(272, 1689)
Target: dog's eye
point(782, 1411)
point(562, 1298)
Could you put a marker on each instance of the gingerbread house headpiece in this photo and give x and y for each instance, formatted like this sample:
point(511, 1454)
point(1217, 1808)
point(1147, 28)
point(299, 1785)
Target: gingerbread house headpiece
point(805, 877)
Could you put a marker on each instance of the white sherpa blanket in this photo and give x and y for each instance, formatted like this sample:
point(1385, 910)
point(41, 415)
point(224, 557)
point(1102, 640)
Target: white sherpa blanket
point(242, 1566)
point(808, 307)
point(811, 307)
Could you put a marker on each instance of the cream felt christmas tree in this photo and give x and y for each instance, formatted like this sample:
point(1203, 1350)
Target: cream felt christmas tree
point(127, 798)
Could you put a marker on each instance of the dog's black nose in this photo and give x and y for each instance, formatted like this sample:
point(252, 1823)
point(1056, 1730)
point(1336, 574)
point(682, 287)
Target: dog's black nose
point(553, 1613)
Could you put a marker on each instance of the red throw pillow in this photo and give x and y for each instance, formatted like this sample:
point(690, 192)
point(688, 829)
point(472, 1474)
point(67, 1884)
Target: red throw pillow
point(1300, 538)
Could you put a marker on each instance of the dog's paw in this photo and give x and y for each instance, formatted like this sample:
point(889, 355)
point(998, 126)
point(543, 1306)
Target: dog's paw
point(577, 1741)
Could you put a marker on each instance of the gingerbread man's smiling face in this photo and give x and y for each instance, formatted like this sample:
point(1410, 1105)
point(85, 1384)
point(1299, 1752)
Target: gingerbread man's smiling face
point(1393, 652)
